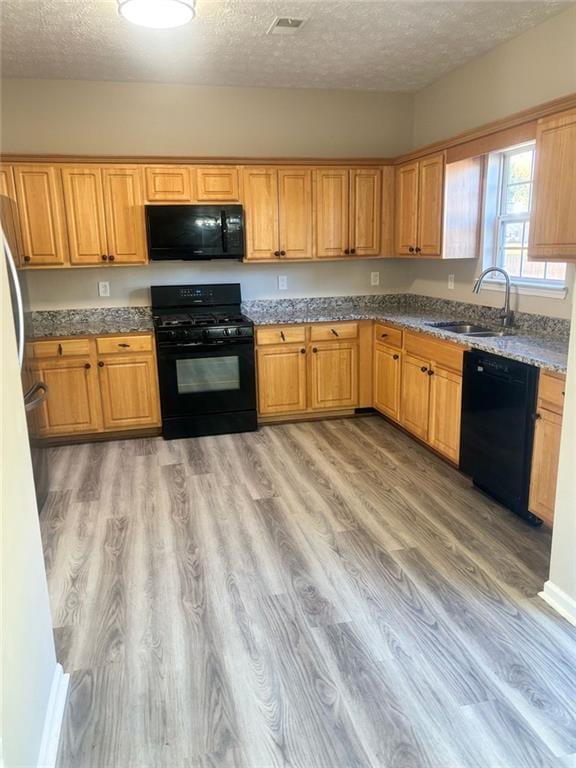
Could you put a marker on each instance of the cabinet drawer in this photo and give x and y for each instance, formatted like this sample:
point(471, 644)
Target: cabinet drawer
point(110, 345)
point(387, 334)
point(442, 352)
point(332, 331)
point(551, 392)
point(58, 348)
point(281, 335)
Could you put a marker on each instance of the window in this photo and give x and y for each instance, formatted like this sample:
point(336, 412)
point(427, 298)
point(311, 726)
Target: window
point(507, 220)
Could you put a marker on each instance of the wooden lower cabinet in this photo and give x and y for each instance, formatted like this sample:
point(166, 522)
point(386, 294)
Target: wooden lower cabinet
point(546, 450)
point(445, 412)
point(415, 406)
point(73, 403)
point(281, 379)
point(129, 391)
point(334, 375)
point(90, 392)
point(387, 380)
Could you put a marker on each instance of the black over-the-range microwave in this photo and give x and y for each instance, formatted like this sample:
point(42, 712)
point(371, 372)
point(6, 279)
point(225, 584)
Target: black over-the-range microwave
point(195, 232)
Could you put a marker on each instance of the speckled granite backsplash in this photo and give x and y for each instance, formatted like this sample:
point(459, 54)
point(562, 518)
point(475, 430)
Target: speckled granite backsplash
point(316, 308)
point(79, 322)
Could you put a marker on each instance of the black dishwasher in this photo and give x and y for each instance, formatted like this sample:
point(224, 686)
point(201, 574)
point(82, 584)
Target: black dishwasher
point(498, 412)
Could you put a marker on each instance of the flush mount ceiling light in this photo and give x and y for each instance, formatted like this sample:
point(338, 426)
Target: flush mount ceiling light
point(158, 14)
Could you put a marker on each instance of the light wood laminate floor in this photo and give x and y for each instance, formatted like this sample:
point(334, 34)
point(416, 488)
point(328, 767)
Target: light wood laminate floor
point(317, 595)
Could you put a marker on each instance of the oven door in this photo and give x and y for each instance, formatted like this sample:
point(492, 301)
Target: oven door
point(207, 378)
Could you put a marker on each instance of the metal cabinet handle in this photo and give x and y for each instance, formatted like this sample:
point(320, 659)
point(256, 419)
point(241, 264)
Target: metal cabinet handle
point(395, 357)
point(314, 349)
point(276, 253)
point(411, 249)
point(104, 257)
point(100, 364)
point(26, 258)
point(334, 332)
point(383, 335)
point(430, 373)
point(123, 345)
point(87, 366)
point(302, 351)
point(423, 369)
point(31, 402)
point(282, 336)
point(346, 250)
point(352, 250)
point(111, 258)
point(282, 253)
point(60, 350)
point(418, 250)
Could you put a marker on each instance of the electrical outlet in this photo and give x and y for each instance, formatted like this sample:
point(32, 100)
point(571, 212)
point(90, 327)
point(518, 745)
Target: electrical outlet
point(282, 283)
point(451, 282)
point(104, 288)
point(374, 278)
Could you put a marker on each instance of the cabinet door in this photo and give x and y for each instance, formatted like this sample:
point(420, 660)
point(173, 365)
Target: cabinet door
point(73, 402)
point(406, 217)
point(261, 210)
point(553, 218)
point(129, 390)
point(281, 379)
point(218, 183)
point(334, 376)
point(365, 211)
point(332, 196)
point(445, 412)
point(168, 184)
point(295, 213)
point(124, 204)
point(41, 211)
point(545, 458)
point(415, 401)
point(84, 199)
point(9, 213)
point(387, 380)
point(430, 205)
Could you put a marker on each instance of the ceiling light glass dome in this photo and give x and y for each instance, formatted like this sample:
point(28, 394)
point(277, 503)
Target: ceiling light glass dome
point(158, 14)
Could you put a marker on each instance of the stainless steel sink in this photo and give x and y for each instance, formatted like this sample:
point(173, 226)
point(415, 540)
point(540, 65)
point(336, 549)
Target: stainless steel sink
point(470, 329)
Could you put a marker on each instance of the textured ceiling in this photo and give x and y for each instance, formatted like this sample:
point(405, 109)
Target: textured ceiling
point(381, 45)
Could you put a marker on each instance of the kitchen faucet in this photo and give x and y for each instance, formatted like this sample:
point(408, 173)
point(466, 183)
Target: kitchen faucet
point(507, 315)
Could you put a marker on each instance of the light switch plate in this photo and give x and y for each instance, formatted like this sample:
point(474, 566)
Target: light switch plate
point(374, 278)
point(103, 288)
point(282, 283)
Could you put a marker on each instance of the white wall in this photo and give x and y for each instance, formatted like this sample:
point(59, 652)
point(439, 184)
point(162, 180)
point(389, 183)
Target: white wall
point(129, 286)
point(28, 663)
point(535, 67)
point(68, 116)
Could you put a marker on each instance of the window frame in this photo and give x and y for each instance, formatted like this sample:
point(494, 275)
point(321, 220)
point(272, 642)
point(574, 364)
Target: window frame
point(494, 216)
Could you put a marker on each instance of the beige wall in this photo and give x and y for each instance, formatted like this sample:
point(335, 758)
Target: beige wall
point(537, 66)
point(28, 659)
point(66, 116)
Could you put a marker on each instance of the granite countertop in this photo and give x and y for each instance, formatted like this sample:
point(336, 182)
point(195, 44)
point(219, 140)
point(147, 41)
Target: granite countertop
point(537, 340)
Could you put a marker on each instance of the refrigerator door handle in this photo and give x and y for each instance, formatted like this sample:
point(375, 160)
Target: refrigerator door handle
point(31, 402)
point(18, 295)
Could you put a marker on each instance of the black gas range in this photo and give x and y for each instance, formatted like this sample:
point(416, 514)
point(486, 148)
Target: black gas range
point(205, 350)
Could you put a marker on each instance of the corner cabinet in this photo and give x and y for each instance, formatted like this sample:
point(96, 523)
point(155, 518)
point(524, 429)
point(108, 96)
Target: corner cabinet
point(553, 219)
point(348, 212)
point(103, 384)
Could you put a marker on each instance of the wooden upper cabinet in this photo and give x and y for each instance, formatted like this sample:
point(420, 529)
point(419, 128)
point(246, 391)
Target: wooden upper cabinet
point(295, 213)
point(445, 412)
point(41, 213)
point(124, 204)
point(332, 189)
point(281, 379)
point(9, 213)
point(406, 215)
point(334, 375)
point(365, 211)
point(168, 184)
point(553, 217)
point(430, 205)
point(387, 379)
point(260, 187)
point(217, 183)
point(84, 200)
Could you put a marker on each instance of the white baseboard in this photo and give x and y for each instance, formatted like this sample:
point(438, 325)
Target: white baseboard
point(53, 719)
point(560, 601)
